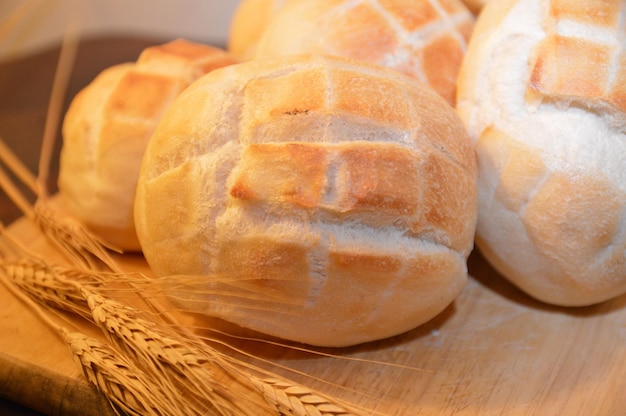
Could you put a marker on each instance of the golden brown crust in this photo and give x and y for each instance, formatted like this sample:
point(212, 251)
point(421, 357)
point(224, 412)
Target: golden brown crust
point(358, 190)
point(423, 39)
point(571, 66)
point(108, 126)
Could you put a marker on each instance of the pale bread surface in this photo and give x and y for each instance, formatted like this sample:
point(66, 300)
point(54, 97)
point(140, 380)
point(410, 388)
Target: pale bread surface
point(541, 93)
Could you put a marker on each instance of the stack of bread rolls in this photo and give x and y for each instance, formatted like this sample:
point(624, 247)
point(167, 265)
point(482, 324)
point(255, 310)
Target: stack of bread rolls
point(542, 93)
point(108, 126)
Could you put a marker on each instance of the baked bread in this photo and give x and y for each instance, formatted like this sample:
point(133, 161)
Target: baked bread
point(108, 126)
point(247, 24)
point(425, 39)
point(321, 200)
point(542, 95)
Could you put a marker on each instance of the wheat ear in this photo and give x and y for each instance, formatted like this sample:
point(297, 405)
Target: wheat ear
point(119, 379)
point(72, 238)
point(52, 286)
point(290, 399)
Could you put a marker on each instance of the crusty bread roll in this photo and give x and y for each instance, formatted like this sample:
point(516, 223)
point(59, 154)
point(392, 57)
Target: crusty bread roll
point(108, 126)
point(247, 24)
point(542, 94)
point(425, 39)
point(327, 201)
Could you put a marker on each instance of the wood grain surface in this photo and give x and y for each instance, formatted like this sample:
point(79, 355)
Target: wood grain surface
point(494, 351)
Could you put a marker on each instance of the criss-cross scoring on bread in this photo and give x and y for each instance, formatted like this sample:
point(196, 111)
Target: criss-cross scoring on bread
point(325, 200)
point(425, 39)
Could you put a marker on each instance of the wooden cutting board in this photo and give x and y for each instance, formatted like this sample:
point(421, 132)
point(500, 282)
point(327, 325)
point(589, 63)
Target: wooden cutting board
point(493, 352)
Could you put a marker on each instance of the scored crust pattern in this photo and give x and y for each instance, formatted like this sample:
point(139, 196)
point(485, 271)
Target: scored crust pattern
point(301, 196)
point(425, 39)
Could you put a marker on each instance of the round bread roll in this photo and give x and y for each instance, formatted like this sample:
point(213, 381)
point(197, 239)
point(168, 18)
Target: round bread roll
point(425, 39)
point(247, 25)
point(108, 126)
point(320, 200)
point(542, 94)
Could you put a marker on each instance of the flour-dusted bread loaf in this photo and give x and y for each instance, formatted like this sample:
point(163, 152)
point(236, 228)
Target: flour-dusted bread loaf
point(248, 23)
point(327, 201)
point(425, 39)
point(543, 94)
point(108, 126)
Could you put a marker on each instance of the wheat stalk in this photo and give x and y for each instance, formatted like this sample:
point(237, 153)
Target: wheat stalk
point(282, 395)
point(62, 74)
point(185, 366)
point(124, 384)
point(197, 377)
point(185, 370)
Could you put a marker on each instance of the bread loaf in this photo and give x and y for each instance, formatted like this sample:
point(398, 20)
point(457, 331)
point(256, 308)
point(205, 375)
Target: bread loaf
point(326, 200)
point(108, 126)
point(425, 39)
point(542, 94)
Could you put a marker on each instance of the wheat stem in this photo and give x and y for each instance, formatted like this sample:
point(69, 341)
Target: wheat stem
point(69, 47)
